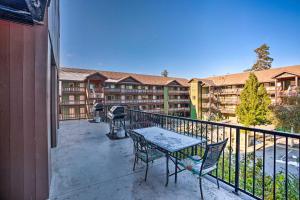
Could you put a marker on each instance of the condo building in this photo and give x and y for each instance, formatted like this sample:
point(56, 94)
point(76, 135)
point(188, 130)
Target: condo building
point(80, 89)
point(218, 96)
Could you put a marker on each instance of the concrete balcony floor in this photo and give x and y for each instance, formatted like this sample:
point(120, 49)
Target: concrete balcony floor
point(87, 165)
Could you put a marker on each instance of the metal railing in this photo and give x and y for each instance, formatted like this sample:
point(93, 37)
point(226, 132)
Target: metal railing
point(179, 100)
point(73, 89)
point(133, 91)
point(73, 102)
point(263, 164)
point(133, 101)
point(179, 91)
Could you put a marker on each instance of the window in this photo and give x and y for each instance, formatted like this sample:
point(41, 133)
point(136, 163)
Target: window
point(72, 111)
point(71, 98)
point(82, 110)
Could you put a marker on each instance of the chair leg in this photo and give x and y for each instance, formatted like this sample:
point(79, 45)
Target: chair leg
point(135, 159)
point(146, 171)
point(200, 185)
point(217, 179)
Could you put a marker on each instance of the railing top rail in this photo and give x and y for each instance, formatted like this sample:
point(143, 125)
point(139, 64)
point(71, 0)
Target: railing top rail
point(257, 130)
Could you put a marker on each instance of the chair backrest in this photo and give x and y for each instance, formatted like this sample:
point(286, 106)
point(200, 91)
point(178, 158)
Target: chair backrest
point(139, 142)
point(212, 154)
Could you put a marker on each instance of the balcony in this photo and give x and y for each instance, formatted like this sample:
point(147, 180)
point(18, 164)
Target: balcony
point(228, 110)
point(132, 91)
point(96, 95)
point(179, 100)
point(179, 92)
point(74, 102)
point(112, 90)
point(87, 165)
point(73, 89)
point(289, 93)
point(230, 91)
point(136, 101)
point(270, 89)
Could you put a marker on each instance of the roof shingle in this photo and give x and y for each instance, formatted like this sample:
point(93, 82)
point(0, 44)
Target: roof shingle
point(240, 78)
point(76, 74)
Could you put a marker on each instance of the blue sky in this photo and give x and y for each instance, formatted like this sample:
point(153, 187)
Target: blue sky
point(188, 38)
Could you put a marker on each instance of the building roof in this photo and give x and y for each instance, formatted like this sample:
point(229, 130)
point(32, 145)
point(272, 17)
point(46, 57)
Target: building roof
point(76, 74)
point(240, 78)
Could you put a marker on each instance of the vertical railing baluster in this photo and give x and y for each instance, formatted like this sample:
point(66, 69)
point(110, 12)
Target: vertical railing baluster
point(217, 171)
point(230, 152)
point(286, 167)
point(274, 169)
point(264, 165)
point(245, 164)
point(223, 154)
point(184, 131)
point(211, 133)
point(254, 164)
point(237, 161)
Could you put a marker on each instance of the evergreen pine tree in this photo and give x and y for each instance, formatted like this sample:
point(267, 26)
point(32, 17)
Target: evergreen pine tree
point(263, 60)
point(254, 103)
point(165, 73)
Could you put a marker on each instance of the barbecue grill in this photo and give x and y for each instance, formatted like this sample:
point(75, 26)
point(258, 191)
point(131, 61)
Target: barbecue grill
point(98, 112)
point(116, 115)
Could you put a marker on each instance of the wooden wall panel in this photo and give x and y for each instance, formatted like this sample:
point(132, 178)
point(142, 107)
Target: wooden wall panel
point(5, 172)
point(24, 139)
point(16, 110)
point(29, 113)
point(41, 130)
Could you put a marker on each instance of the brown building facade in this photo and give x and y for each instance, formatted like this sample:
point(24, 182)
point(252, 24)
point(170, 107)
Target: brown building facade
point(80, 89)
point(218, 96)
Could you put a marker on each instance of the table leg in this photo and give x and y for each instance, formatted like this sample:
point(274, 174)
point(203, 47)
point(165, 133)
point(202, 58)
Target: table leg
point(176, 166)
point(167, 169)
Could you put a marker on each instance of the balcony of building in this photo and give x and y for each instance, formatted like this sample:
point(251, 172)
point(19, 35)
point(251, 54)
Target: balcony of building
point(227, 110)
point(178, 92)
point(181, 100)
point(72, 102)
point(135, 101)
point(229, 91)
point(73, 89)
point(87, 165)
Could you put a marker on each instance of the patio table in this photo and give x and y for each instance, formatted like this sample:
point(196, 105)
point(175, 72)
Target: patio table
point(170, 143)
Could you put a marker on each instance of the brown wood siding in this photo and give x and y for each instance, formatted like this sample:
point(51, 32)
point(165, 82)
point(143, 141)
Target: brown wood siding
point(5, 158)
point(23, 112)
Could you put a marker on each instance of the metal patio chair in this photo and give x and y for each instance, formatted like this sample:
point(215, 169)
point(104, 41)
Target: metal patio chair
point(143, 151)
point(207, 164)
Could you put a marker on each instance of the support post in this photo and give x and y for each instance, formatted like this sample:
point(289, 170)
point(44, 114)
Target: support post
point(237, 162)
